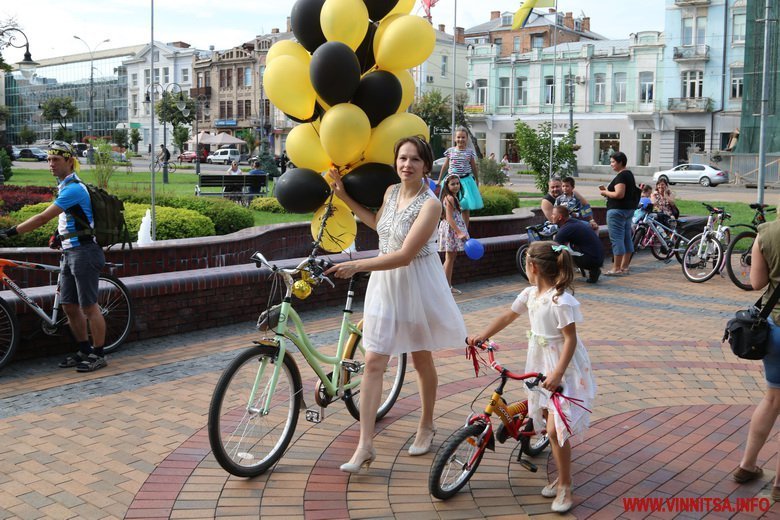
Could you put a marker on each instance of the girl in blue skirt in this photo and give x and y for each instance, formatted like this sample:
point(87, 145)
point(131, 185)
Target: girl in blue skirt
point(461, 161)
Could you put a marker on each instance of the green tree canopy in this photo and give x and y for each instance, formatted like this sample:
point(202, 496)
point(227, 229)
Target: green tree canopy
point(434, 109)
point(27, 135)
point(168, 112)
point(180, 136)
point(135, 138)
point(51, 110)
point(534, 147)
point(119, 136)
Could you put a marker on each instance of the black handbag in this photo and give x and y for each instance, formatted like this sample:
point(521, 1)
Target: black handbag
point(748, 331)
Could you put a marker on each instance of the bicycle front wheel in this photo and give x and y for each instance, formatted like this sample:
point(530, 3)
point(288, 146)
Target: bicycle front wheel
point(660, 248)
point(117, 309)
point(9, 332)
point(702, 259)
point(738, 259)
point(245, 440)
point(456, 461)
point(171, 167)
point(522, 252)
point(533, 445)
point(392, 381)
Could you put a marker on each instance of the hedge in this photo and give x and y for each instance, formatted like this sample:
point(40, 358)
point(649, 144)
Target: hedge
point(496, 200)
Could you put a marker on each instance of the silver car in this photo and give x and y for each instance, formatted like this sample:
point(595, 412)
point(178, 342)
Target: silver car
point(693, 173)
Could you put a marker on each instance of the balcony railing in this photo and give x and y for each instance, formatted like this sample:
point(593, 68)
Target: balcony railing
point(700, 104)
point(692, 53)
point(197, 91)
point(685, 3)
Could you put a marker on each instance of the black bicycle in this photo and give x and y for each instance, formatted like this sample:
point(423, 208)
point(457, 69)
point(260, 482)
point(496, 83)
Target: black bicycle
point(738, 254)
point(544, 231)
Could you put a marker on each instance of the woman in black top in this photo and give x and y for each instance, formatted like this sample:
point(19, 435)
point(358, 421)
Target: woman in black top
point(622, 199)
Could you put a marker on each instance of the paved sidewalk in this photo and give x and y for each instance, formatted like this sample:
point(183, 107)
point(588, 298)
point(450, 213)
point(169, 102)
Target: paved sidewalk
point(129, 441)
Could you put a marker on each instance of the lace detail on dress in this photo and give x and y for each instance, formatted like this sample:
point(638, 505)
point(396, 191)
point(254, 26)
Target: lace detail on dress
point(394, 225)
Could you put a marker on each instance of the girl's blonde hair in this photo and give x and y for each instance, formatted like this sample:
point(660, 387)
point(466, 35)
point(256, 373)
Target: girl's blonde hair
point(554, 263)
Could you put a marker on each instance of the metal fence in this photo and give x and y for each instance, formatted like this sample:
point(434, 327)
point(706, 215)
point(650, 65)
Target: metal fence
point(743, 167)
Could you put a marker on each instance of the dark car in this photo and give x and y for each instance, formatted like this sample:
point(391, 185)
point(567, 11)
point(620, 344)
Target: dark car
point(187, 156)
point(32, 153)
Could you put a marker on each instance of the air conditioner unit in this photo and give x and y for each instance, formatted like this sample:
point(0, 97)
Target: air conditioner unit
point(469, 84)
point(579, 80)
point(429, 79)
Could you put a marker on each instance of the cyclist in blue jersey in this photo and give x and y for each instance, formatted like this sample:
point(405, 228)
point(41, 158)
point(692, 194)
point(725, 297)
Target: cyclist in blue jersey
point(83, 258)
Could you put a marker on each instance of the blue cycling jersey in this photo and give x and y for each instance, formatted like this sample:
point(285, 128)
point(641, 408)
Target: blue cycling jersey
point(73, 199)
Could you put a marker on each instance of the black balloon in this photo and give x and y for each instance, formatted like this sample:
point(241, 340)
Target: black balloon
point(334, 72)
point(365, 52)
point(368, 183)
point(316, 114)
point(378, 95)
point(301, 190)
point(378, 9)
point(305, 23)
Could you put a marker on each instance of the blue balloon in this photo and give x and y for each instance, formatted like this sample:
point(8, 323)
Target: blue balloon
point(432, 184)
point(474, 249)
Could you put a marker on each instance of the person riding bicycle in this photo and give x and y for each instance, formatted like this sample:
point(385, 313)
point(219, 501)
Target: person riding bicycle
point(165, 155)
point(82, 258)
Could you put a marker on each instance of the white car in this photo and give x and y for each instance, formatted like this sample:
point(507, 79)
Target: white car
point(693, 173)
point(224, 156)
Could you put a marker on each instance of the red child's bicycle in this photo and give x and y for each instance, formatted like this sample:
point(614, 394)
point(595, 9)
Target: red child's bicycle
point(459, 457)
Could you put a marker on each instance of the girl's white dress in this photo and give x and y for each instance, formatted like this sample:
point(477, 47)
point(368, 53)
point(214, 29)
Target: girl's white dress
point(545, 345)
point(409, 308)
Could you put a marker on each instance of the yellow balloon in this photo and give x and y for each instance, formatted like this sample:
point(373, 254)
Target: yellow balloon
point(407, 42)
point(381, 28)
point(382, 144)
point(286, 81)
point(287, 48)
point(344, 133)
point(407, 87)
point(340, 227)
point(402, 7)
point(305, 150)
point(344, 21)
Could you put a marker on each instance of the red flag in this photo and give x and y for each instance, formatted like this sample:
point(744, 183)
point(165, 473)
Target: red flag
point(427, 4)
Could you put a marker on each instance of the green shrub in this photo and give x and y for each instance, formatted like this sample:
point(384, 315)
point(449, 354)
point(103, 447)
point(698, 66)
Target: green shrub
point(171, 222)
point(490, 173)
point(36, 238)
point(496, 200)
point(227, 216)
point(268, 204)
point(7, 165)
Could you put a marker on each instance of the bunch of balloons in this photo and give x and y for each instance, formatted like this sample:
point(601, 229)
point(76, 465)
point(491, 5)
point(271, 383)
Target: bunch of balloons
point(346, 81)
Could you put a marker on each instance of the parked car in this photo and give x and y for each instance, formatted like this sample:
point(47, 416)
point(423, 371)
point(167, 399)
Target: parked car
point(187, 156)
point(15, 150)
point(693, 173)
point(32, 153)
point(224, 156)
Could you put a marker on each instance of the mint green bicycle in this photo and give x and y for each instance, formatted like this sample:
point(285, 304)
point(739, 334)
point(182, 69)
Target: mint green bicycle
point(255, 406)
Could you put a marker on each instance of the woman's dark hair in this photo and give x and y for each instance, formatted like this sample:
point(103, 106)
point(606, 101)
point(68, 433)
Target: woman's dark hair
point(620, 158)
point(445, 191)
point(423, 150)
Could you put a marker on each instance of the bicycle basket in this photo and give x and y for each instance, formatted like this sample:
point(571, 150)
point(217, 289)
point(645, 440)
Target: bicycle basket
point(269, 319)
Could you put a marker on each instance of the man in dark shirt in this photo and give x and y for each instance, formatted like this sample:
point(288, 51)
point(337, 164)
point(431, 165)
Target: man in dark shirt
point(555, 189)
point(578, 235)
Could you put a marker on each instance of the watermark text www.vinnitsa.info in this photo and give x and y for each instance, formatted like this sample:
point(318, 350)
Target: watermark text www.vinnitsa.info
point(696, 505)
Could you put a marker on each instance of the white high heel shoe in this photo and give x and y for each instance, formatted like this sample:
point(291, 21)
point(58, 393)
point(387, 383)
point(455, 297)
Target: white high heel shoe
point(424, 446)
point(356, 467)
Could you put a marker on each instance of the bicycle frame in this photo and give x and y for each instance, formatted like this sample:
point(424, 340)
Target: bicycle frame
point(348, 334)
point(653, 225)
point(8, 282)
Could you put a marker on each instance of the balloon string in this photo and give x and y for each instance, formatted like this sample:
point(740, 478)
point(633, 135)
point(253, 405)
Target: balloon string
point(325, 216)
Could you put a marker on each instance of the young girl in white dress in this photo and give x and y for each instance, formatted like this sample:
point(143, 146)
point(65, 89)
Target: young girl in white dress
point(409, 307)
point(555, 350)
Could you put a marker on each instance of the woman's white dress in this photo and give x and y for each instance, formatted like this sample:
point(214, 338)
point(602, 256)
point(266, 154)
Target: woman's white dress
point(545, 345)
point(409, 308)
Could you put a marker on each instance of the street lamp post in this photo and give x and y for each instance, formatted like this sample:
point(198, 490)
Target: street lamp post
point(8, 39)
point(91, 51)
point(63, 115)
point(201, 106)
point(170, 88)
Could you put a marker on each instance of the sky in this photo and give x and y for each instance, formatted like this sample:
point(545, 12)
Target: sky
point(50, 25)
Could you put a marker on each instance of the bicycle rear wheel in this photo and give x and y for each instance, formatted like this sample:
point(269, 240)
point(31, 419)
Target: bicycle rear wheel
point(660, 248)
point(522, 252)
point(702, 259)
point(392, 381)
point(738, 259)
point(638, 238)
point(456, 461)
point(533, 445)
point(9, 332)
point(245, 441)
point(117, 309)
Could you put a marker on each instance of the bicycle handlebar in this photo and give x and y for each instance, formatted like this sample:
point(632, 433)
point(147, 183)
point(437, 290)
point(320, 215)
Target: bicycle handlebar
point(316, 267)
point(489, 347)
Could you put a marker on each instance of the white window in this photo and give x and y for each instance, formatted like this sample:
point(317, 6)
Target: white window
point(482, 91)
point(134, 104)
point(605, 144)
point(516, 44)
point(537, 41)
point(504, 92)
point(701, 30)
point(147, 76)
point(200, 80)
point(134, 79)
point(156, 55)
point(694, 30)
point(185, 75)
point(737, 76)
point(498, 41)
point(443, 65)
point(692, 83)
point(600, 89)
point(739, 28)
point(247, 76)
point(646, 87)
point(506, 19)
point(619, 94)
point(687, 31)
point(644, 148)
point(568, 95)
point(166, 75)
point(521, 97)
point(549, 90)
point(156, 75)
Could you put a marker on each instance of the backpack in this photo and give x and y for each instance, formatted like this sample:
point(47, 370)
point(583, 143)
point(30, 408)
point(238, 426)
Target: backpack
point(108, 215)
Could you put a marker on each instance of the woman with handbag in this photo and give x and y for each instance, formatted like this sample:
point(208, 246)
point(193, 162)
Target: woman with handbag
point(765, 270)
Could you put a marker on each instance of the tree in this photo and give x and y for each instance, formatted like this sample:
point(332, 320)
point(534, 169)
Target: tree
point(5, 112)
point(434, 109)
point(105, 165)
point(50, 111)
point(27, 135)
point(250, 136)
point(534, 147)
point(135, 138)
point(9, 23)
point(268, 164)
point(168, 112)
point(119, 136)
point(180, 136)
point(462, 121)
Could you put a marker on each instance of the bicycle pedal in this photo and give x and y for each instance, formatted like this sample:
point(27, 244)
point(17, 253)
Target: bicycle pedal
point(353, 367)
point(530, 466)
point(315, 416)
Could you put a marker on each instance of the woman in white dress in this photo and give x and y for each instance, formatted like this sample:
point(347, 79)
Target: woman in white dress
point(409, 307)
